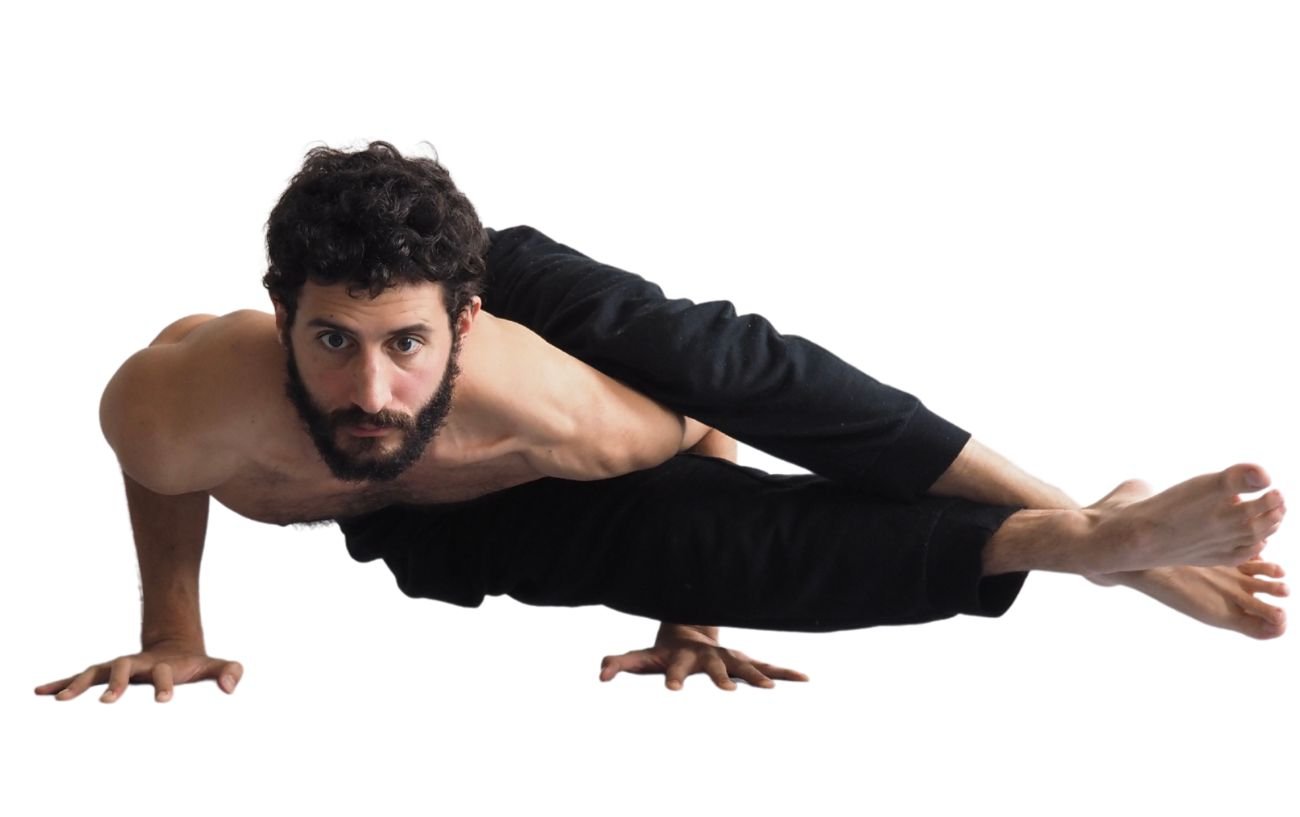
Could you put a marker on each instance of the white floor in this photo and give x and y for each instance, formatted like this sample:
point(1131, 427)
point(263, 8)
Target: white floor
point(1073, 232)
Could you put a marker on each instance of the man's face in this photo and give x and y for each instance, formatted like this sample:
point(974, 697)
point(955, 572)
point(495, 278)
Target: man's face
point(387, 363)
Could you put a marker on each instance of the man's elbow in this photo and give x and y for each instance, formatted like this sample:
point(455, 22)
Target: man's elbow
point(644, 457)
point(626, 456)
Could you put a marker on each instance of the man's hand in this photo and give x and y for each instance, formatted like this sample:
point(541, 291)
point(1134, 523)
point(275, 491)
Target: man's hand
point(164, 664)
point(680, 650)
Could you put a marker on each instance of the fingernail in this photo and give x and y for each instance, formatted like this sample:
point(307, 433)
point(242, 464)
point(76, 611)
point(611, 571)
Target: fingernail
point(1254, 480)
point(228, 681)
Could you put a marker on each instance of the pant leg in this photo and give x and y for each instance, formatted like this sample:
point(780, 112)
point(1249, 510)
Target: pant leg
point(779, 393)
point(703, 541)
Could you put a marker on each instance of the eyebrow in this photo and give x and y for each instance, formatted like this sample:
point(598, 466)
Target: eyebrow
point(423, 328)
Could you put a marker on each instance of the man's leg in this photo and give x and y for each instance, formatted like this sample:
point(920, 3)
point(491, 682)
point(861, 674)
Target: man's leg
point(779, 393)
point(706, 541)
point(793, 399)
point(700, 540)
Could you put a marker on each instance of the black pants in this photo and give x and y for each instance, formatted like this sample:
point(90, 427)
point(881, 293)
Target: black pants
point(698, 540)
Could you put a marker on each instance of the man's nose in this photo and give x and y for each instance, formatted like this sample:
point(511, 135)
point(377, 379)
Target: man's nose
point(371, 389)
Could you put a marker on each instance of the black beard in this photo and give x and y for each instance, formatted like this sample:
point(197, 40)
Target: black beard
point(323, 426)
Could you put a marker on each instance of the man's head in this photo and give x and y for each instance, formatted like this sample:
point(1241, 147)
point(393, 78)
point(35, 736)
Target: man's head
point(376, 262)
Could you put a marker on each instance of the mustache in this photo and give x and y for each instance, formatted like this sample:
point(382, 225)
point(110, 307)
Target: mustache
point(346, 418)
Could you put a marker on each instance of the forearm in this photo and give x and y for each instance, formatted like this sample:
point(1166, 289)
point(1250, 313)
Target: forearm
point(713, 443)
point(982, 475)
point(169, 533)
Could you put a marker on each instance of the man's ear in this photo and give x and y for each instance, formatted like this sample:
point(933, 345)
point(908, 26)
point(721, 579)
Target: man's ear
point(465, 321)
point(281, 320)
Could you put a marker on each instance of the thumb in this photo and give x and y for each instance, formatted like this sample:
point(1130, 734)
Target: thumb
point(609, 667)
point(227, 674)
point(627, 662)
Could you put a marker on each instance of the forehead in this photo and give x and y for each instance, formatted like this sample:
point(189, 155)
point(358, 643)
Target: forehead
point(400, 305)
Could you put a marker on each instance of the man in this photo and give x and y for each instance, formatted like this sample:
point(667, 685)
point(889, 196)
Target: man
point(555, 477)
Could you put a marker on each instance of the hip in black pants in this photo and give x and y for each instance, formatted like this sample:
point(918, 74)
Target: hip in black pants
point(697, 540)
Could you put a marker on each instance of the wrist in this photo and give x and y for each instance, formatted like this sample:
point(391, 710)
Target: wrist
point(669, 629)
point(152, 639)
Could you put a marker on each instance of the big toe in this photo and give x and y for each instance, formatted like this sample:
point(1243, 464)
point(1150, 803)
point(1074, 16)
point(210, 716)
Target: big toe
point(1264, 628)
point(1244, 478)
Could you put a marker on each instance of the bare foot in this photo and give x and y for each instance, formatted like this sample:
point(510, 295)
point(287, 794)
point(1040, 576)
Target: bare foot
point(1219, 596)
point(1200, 522)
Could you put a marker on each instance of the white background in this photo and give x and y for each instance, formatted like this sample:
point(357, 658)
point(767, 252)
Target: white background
point(1069, 228)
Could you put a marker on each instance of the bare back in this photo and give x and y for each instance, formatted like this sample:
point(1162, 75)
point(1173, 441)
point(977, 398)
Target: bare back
point(522, 410)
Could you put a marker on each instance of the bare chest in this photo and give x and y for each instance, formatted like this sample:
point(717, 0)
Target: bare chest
point(282, 479)
point(280, 496)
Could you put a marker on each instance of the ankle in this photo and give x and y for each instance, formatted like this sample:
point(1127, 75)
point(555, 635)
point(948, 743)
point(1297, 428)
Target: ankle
point(1054, 540)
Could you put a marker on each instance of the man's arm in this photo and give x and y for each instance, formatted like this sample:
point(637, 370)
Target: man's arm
point(142, 414)
point(980, 474)
point(708, 442)
point(144, 417)
point(169, 534)
point(685, 649)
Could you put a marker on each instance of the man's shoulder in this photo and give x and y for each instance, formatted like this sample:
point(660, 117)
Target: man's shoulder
point(566, 418)
point(170, 412)
point(209, 324)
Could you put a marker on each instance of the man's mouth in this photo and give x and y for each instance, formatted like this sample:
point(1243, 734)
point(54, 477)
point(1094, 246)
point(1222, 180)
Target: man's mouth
point(364, 430)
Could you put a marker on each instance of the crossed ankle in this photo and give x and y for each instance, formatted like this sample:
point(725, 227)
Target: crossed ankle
point(1061, 541)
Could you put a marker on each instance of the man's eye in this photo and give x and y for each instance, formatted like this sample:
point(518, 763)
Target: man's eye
point(329, 345)
point(411, 349)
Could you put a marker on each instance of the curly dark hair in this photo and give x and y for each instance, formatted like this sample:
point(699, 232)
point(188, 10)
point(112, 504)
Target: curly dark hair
point(373, 219)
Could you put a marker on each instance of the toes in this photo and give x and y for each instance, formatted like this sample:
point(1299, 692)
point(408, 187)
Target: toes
point(1270, 501)
point(1264, 611)
point(1262, 629)
point(1245, 478)
point(1266, 524)
point(1272, 588)
point(1258, 567)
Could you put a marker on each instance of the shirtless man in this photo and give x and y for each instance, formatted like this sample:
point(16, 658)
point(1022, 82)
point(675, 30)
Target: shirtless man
point(367, 424)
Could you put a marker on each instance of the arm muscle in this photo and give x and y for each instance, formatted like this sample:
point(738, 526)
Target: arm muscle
point(152, 414)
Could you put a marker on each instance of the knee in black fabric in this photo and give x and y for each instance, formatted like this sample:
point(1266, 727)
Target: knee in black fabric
point(365, 535)
point(422, 548)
